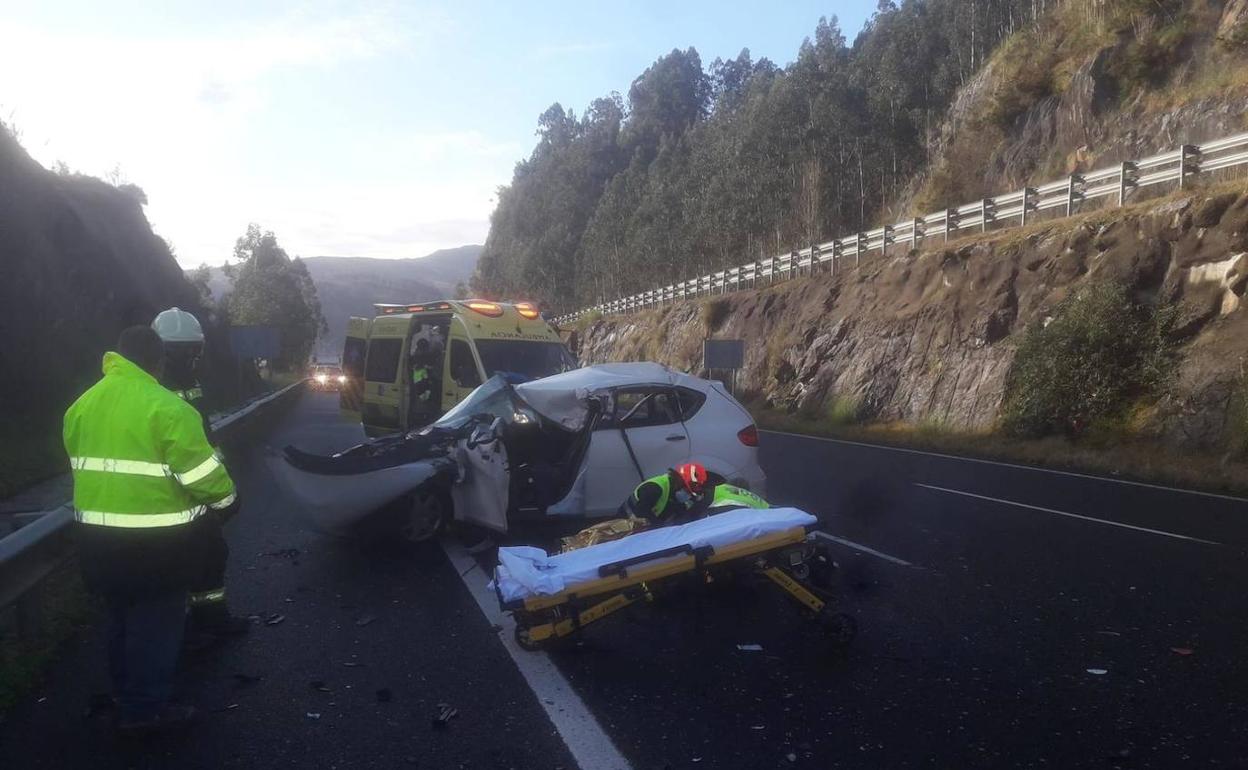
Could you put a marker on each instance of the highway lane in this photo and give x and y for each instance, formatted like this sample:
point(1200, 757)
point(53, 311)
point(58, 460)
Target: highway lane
point(980, 620)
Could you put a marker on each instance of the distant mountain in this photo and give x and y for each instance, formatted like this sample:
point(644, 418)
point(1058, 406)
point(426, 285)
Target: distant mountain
point(349, 286)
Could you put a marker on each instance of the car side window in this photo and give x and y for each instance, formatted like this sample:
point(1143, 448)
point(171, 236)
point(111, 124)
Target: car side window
point(642, 407)
point(690, 401)
point(463, 367)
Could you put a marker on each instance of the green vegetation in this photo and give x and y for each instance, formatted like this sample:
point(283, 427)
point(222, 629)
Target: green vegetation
point(1084, 370)
point(268, 288)
point(703, 168)
point(64, 606)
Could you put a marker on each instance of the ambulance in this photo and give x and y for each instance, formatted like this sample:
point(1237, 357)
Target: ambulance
point(410, 364)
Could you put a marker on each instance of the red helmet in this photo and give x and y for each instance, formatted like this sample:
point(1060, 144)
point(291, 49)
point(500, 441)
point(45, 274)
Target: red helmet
point(694, 477)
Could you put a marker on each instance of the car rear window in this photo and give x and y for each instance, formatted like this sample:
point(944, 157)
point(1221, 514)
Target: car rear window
point(383, 360)
point(690, 401)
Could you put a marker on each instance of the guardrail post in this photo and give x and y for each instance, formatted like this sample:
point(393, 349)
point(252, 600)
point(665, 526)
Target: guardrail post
point(915, 226)
point(951, 222)
point(1028, 193)
point(1125, 170)
point(885, 240)
point(857, 249)
point(1186, 167)
point(985, 212)
point(1073, 180)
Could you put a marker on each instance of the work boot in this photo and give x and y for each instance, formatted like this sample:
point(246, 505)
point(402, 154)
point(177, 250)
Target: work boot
point(170, 717)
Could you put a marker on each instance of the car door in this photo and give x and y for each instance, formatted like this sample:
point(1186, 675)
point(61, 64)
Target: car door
point(462, 373)
point(649, 417)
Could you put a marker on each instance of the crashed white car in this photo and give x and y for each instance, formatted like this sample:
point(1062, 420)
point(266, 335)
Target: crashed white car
point(575, 444)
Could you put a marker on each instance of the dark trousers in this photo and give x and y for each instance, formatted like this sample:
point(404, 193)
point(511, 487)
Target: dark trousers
point(208, 588)
point(144, 636)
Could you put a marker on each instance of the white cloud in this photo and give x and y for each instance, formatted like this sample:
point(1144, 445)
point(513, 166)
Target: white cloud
point(177, 113)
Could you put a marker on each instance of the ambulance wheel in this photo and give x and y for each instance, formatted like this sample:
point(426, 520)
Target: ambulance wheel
point(838, 627)
point(525, 640)
point(425, 517)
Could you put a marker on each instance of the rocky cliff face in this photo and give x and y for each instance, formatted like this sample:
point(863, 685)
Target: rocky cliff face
point(78, 263)
point(929, 336)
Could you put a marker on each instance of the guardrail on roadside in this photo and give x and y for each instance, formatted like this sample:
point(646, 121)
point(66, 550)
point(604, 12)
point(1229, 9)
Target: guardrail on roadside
point(1010, 209)
point(31, 553)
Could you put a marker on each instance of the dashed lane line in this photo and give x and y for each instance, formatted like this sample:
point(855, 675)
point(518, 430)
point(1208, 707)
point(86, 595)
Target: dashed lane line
point(860, 547)
point(1056, 512)
point(584, 737)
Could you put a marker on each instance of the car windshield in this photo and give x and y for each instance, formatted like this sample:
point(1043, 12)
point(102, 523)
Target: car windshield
point(520, 361)
point(493, 398)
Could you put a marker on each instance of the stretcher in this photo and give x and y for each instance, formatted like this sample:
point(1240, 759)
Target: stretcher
point(553, 597)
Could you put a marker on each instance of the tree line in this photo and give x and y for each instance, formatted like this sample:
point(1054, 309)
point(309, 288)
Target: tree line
point(700, 168)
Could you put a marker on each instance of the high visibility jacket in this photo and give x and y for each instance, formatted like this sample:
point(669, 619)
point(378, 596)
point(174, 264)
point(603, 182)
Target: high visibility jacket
point(654, 499)
point(139, 456)
point(728, 496)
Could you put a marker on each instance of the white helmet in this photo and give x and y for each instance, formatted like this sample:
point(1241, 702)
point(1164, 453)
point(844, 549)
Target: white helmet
point(174, 325)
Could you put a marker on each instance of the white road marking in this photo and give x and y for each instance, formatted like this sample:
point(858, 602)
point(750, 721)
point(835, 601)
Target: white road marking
point(1017, 466)
point(1071, 515)
point(861, 547)
point(584, 737)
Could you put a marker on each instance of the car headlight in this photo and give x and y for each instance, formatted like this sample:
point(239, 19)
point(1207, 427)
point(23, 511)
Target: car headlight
point(321, 378)
point(342, 379)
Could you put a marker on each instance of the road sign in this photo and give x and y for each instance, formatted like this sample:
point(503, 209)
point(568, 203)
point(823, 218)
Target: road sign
point(723, 354)
point(255, 342)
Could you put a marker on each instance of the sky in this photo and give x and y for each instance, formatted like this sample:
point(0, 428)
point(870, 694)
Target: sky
point(378, 129)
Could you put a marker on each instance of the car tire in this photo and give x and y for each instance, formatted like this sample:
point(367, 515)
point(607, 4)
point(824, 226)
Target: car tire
point(425, 515)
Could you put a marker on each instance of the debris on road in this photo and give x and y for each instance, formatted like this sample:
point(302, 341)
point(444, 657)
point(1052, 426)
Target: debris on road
point(445, 713)
point(274, 619)
point(791, 757)
point(313, 715)
point(319, 686)
point(285, 553)
point(352, 664)
point(223, 709)
point(750, 647)
point(364, 621)
point(1109, 633)
point(1182, 650)
point(1098, 671)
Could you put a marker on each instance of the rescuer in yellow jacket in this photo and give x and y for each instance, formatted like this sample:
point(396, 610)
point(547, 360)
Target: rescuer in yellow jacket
point(143, 472)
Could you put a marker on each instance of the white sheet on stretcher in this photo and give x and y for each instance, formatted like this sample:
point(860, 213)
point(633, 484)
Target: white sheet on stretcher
point(524, 571)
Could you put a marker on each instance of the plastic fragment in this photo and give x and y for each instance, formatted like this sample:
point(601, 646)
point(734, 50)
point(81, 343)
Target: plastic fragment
point(319, 686)
point(791, 757)
point(750, 647)
point(274, 619)
point(314, 715)
point(445, 713)
point(352, 663)
point(1182, 650)
point(364, 621)
point(1098, 671)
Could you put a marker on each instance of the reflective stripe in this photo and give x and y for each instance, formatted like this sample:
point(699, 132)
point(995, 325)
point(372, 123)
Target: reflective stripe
point(138, 520)
point(208, 597)
point(190, 395)
point(108, 465)
point(199, 471)
point(224, 502)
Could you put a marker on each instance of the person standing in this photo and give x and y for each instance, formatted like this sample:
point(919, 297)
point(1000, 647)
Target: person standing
point(143, 472)
point(210, 619)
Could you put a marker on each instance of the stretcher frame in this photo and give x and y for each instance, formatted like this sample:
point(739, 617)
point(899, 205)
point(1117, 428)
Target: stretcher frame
point(783, 558)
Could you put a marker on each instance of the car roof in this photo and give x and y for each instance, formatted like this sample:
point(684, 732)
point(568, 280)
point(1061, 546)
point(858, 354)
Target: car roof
point(561, 397)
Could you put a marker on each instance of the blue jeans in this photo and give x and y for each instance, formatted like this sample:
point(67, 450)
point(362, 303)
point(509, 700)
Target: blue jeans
point(144, 638)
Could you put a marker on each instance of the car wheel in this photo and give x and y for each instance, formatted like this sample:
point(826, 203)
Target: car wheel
point(425, 517)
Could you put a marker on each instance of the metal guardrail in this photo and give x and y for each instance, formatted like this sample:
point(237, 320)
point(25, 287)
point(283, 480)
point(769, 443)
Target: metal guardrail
point(1015, 208)
point(31, 553)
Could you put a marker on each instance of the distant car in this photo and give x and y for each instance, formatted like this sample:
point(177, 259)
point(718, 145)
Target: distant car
point(573, 444)
point(328, 378)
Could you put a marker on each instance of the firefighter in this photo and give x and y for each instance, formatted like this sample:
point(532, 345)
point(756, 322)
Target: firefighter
point(144, 474)
point(684, 494)
point(209, 617)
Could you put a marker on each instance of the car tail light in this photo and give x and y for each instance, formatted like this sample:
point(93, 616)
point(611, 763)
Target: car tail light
point(491, 309)
point(748, 436)
point(527, 309)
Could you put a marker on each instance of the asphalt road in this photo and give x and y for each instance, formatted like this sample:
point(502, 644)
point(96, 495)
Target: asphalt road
point(990, 599)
